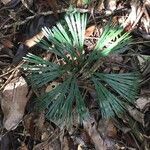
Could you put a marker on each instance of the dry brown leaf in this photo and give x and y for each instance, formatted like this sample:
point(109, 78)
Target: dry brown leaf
point(14, 99)
point(136, 114)
point(90, 127)
point(111, 129)
point(48, 145)
point(142, 101)
point(34, 40)
point(100, 5)
point(7, 43)
point(23, 147)
point(43, 146)
point(52, 86)
point(107, 128)
point(116, 58)
point(90, 30)
point(110, 4)
point(28, 123)
point(5, 1)
point(54, 6)
point(108, 131)
point(65, 143)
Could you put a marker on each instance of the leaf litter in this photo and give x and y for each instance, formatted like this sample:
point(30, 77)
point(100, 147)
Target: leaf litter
point(124, 131)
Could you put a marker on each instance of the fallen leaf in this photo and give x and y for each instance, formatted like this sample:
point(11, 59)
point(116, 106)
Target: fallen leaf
point(136, 114)
point(110, 4)
point(14, 99)
point(5, 1)
point(107, 128)
point(90, 127)
point(54, 6)
point(111, 129)
point(90, 30)
point(52, 86)
point(28, 123)
point(23, 147)
point(7, 43)
point(34, 40)
point(142, 101)
point(48, 145)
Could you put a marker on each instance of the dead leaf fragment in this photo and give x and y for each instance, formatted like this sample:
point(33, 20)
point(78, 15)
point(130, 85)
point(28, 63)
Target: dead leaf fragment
point(90, 127)
point(90, 30)
point(34, 40)
point(137, 115)
point(7, 43)
point(142, 102)
point(23, 147)
point(5, 1)
point(14, 99)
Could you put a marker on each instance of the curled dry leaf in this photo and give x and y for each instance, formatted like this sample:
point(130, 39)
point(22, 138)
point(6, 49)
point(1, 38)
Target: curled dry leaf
point(14, 99)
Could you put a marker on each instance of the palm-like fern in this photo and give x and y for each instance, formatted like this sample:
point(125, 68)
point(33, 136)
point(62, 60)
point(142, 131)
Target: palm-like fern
point(114, 91)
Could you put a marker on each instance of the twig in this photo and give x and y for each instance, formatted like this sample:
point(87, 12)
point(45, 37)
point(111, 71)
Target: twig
point(101, 15)
point(6, 73)
point(12, 75)
point(42, 13)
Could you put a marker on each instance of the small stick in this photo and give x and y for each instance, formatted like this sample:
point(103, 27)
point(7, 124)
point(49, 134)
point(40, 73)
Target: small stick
point(38, 14)
point(12, 75)
point(101, 15)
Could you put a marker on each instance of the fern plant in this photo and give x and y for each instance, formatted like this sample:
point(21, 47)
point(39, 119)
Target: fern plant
point(77, 68)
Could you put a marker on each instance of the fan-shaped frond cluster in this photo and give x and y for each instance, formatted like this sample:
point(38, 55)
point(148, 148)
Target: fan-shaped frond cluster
point(66, 100)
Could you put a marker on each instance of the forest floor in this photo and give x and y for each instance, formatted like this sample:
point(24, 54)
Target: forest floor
point(23, 128)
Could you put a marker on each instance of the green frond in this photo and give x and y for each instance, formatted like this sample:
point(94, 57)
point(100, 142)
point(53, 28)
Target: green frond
point(68, 38)
point(77, 25)
point(39, 79)
point(109, 104)
point(47, 45)
point(65, 102)
point(125, 84)
point(31, 58)
point(61, 102)
point(42, 71)
point(81, 109)
point(52, 45)
point(112, 40)
point(58, 93)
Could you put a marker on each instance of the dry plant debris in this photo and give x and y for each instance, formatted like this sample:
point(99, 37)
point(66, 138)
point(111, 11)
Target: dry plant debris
point(14, 99)
point(20, 27)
